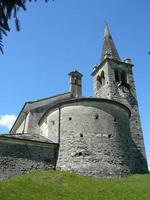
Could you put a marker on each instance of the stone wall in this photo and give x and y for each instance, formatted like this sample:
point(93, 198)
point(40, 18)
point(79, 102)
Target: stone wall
point(94, 138)
point(21, 156)
point(102, 91)
point(112, 90)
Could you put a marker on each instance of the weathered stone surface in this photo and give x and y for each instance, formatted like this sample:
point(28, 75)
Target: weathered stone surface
point(111, 89)
point(20, 156)
point(94, 138)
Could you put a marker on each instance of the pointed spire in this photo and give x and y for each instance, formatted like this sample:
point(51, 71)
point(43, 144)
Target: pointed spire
point(109, 50)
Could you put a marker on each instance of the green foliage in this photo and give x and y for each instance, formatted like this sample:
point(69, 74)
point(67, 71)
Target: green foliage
point(55, 185)
point(8, 10)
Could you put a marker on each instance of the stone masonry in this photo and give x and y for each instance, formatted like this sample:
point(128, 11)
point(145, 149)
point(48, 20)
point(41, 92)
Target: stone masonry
point(99, 136)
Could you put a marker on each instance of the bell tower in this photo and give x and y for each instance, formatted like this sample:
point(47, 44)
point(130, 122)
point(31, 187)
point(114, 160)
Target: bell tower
point(113, 79)
point(76, 83)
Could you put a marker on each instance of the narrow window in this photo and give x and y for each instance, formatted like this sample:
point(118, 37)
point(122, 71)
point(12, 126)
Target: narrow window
point(75, 80)
point(103, 78)
point(96, 116)
point(116, 75)
point(123, 77)
point(80, 153)
point(81, 135)
point(109, 136)
point(99, 82)
point(70, 118)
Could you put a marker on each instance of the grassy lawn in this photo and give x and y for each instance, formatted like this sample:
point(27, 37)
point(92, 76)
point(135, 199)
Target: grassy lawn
point(55, 185)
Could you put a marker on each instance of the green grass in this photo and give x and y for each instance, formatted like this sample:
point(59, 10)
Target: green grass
point(55, 185)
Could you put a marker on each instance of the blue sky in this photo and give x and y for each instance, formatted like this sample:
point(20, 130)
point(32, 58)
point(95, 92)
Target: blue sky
point(61, 36)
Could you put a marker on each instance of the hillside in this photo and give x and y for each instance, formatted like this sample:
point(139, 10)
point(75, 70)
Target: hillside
point(57, 185)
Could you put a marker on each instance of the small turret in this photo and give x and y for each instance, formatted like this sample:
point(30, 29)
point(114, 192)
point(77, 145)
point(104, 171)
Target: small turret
point(128, 60)
point(76, 83)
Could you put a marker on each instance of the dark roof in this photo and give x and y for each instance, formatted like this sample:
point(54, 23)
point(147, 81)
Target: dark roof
point(27, 136)
point(109, 48)
point(75, 73)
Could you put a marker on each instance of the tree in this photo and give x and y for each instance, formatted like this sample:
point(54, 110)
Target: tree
point(8, 10)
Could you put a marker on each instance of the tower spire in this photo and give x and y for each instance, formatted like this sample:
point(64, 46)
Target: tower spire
point(109, 49)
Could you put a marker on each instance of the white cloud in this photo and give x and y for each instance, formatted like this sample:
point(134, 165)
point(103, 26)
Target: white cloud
point(7, 120)
point(149, 165)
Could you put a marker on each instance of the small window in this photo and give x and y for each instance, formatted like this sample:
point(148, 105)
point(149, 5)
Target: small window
point(53, 122)
point(75, 80)
point(80, 153)
point(115, 119)
point(81, 135)
point(70, 118)
point(109, 136)
point(96, 116)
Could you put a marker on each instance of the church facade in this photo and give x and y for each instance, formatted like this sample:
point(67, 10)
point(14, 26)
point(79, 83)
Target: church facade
point(98, 136)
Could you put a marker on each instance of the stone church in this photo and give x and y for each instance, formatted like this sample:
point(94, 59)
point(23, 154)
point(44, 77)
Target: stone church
point(97, 136)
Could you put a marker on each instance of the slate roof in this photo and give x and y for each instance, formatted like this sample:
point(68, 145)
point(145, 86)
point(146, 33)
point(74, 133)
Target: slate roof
point(28, 136)
point(109, 48)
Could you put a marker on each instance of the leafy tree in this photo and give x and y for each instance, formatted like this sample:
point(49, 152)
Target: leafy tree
point(8, 10)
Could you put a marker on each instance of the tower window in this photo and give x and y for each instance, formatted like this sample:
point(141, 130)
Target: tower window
point(117, 75)
point(103, 78)
point(75, 80)
point(70, 118)
point(123, 77)
point(99, 82)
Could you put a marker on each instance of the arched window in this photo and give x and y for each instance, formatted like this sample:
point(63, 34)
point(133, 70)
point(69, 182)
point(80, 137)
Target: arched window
point(75, 80)
point(123, 77)
point(102, 77)
point(117, 79)
point(99, 82)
